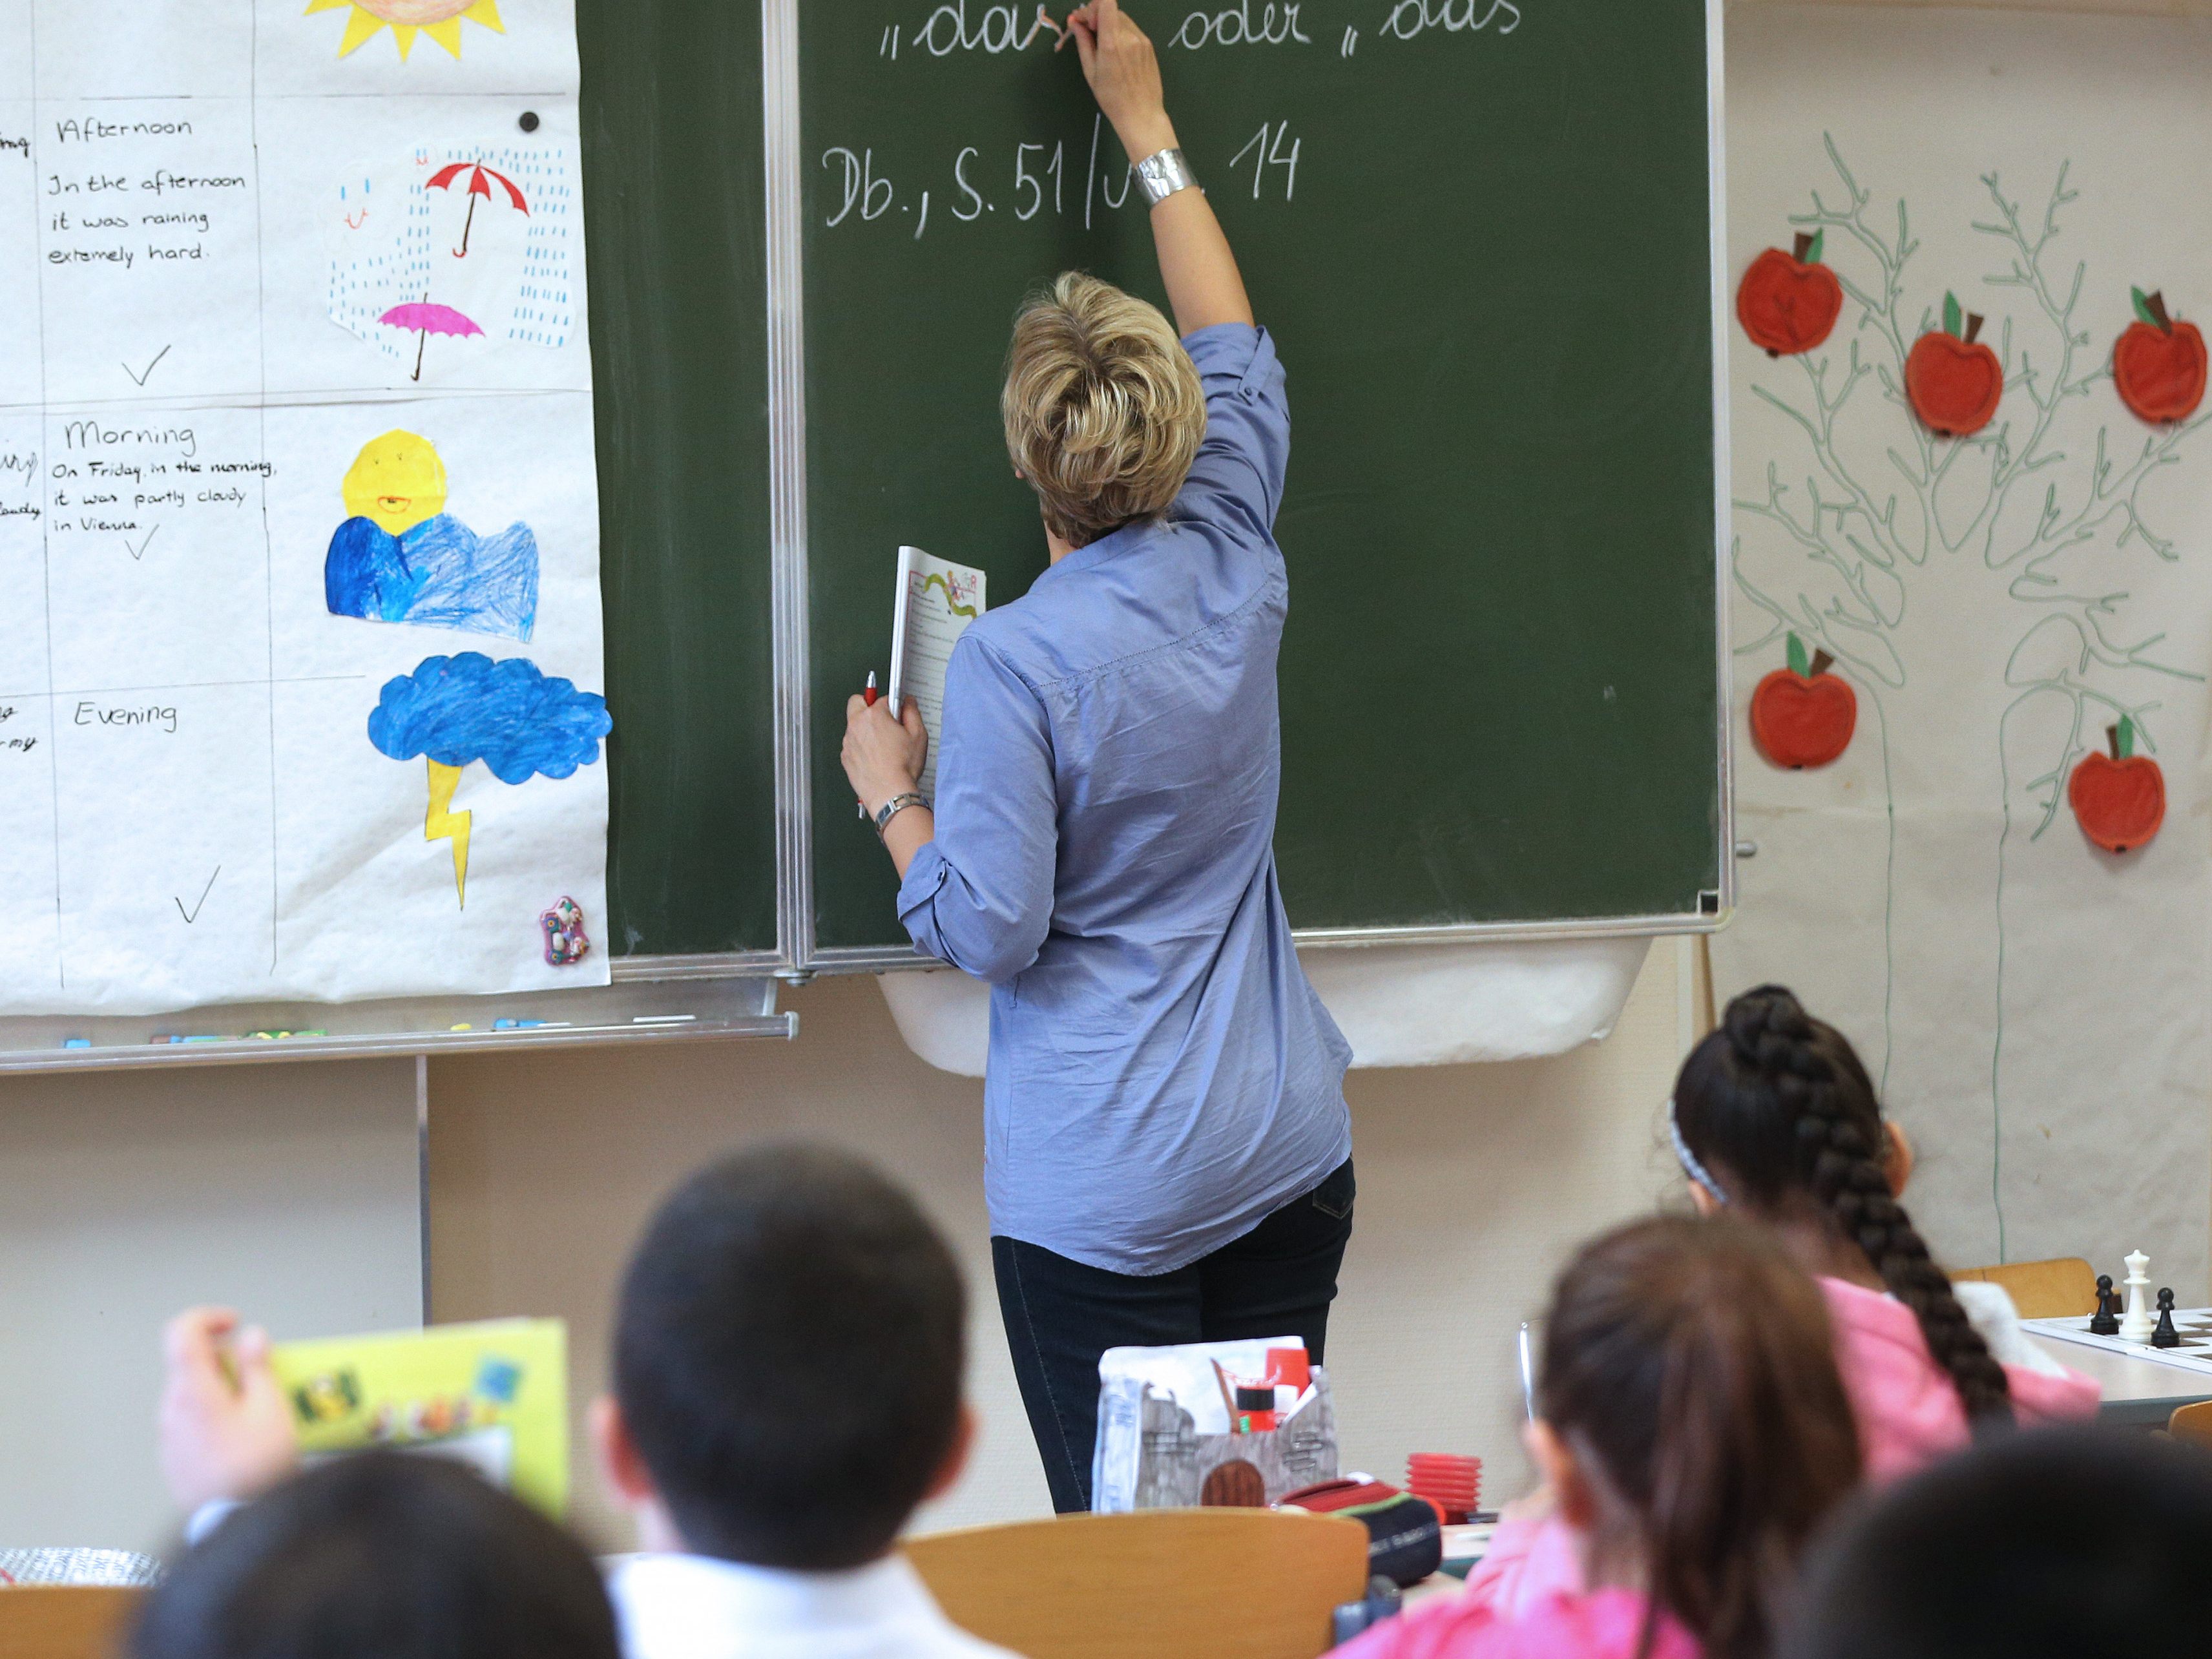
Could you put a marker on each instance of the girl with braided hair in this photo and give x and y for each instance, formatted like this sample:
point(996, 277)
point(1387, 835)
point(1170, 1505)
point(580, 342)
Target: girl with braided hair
point(1776, 1123)
point(1775, 1120)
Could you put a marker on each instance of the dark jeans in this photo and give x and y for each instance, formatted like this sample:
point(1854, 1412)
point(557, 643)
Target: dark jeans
point(1276, 1280)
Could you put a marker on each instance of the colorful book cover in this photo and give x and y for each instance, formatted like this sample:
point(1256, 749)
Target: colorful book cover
point(494, 1395)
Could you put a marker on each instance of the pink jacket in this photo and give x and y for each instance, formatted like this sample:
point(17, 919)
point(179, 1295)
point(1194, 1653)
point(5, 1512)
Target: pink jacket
point(1908, 1415)
point(1605, 1625)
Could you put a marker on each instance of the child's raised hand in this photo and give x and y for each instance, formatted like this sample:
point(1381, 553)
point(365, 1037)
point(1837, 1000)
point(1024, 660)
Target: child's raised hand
point(226, 1431)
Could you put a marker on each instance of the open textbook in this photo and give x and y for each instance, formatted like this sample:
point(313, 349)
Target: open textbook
point(936, 601)
point(492, 1395)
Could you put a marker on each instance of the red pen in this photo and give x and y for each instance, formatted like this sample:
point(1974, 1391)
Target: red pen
point(868, 697)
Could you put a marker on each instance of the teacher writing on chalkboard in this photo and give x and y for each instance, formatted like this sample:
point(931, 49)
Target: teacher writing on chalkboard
point(1167, 1150)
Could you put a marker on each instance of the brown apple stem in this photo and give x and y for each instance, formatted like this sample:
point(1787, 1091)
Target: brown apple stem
point(1804, 247)
point(1973, 326)
point(2112, 736)
point(2156, 306)
point(1821, 663)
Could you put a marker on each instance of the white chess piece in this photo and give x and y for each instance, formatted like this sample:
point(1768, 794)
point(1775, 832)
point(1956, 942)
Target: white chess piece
point(2139, 1322)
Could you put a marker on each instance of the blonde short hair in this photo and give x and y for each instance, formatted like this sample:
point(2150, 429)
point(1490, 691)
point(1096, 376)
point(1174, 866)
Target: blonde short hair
point(1103, 410)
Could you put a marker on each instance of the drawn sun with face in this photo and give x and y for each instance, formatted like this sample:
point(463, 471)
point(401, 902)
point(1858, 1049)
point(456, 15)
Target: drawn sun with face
point(439, 19)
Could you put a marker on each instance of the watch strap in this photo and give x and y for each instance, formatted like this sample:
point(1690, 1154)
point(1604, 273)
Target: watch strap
point(891, 808)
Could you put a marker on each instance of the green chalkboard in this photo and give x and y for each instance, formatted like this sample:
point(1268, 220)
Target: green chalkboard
point(675, 243)
point(1480, 232)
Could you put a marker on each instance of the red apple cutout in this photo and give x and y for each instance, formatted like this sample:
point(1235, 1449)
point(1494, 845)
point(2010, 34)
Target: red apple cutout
point(2120, 799)
point(1788, 303)
point(1954, 382)
point(2159, 363)
point(1803, 715)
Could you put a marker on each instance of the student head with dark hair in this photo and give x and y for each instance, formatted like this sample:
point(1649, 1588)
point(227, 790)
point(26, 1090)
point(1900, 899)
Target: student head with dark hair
point(2051, 1545)
point(1692, 1423)
point(1692, 1434)
point(788, 1389)
point(381, 1557)
point(1776, 1119)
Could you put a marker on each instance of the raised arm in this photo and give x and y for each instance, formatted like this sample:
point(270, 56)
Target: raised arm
point(1204, 286)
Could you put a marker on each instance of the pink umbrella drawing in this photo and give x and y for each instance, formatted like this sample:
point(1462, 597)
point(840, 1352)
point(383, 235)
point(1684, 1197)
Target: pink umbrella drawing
point(424, 318)
point(479, 175)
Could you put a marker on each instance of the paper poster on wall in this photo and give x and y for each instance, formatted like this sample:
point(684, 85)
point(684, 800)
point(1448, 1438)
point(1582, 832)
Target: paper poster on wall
point(301, 687)
point(474, 245)
point(1972, 599)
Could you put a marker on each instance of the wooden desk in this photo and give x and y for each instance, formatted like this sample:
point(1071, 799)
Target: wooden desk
point(2138, 1393)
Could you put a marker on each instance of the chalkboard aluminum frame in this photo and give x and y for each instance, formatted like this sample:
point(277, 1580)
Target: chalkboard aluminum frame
point(787, 369)
point(787, 515)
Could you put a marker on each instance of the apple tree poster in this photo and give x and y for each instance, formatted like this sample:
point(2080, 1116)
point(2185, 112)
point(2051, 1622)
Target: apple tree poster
point(1971, 592)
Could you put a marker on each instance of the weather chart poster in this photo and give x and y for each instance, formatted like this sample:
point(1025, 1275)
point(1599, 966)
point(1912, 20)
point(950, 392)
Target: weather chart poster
point(1971, 599)
point(301, 674)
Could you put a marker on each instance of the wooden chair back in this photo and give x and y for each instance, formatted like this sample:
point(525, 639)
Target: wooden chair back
point(2061, 1288)
point(1208, 1583)
point(65, 1621)
point(2192, 1423)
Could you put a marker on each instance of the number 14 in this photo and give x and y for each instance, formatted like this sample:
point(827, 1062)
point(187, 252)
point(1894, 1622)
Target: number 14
point(1275, 157)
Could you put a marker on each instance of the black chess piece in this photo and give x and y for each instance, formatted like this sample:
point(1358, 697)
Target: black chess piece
point(2166, 1336)
point(2105, 1322)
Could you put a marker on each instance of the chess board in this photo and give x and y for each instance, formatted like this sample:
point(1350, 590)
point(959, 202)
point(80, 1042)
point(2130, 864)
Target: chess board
point(2194, 1324)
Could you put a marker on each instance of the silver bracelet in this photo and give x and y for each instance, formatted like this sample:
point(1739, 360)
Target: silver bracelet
point(1162, 173)
point(894, 806)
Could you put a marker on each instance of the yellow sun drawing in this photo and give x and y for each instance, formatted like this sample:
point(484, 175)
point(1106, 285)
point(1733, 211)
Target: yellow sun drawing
point(439, 19)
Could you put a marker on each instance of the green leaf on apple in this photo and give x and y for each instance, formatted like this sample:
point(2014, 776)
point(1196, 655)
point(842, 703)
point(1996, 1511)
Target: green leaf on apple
point(1819, 241)
point(2142, 307)
point(2126, 740)
point(1954, 319)
point(1800, 665)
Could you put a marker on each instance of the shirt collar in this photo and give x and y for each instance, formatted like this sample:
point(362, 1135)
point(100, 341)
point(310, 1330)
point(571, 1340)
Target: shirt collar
point(697, 1606)
point(1098, 552)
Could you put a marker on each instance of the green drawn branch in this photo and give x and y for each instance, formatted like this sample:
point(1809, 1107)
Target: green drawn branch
point(1863, 645)
point(2109, 498)
point(1819, 428)
point(2047, 392)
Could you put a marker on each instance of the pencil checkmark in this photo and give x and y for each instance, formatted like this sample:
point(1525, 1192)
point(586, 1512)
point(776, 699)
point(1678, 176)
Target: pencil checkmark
point(193, 914)
point(140, 375)
point(139, 551)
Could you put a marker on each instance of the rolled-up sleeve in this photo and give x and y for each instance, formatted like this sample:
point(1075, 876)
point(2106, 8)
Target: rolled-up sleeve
point(979, 894)
point(1241, 465)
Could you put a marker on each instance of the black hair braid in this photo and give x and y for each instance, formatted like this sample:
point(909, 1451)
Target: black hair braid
point(1770, 1030)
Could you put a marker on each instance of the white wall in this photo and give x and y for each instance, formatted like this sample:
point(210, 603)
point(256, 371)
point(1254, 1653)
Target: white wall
point(1474, 1182)
point(289, 1190)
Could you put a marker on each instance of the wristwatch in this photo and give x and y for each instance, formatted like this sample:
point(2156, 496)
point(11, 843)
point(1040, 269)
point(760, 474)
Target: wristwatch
point(894, 806)
point(1162, 173)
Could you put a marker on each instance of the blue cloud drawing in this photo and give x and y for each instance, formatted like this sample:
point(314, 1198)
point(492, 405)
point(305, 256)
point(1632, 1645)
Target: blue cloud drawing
point(518, 721)
point(439, 574)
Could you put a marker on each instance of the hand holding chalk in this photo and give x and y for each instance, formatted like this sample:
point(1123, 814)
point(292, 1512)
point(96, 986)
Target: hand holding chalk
point(1124, 73)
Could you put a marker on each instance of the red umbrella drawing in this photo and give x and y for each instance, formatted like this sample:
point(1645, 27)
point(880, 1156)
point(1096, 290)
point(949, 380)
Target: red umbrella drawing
point(424, 318)
point(479, 174)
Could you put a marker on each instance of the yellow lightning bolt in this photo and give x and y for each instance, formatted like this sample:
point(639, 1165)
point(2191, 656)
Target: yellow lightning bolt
point(440, 822)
